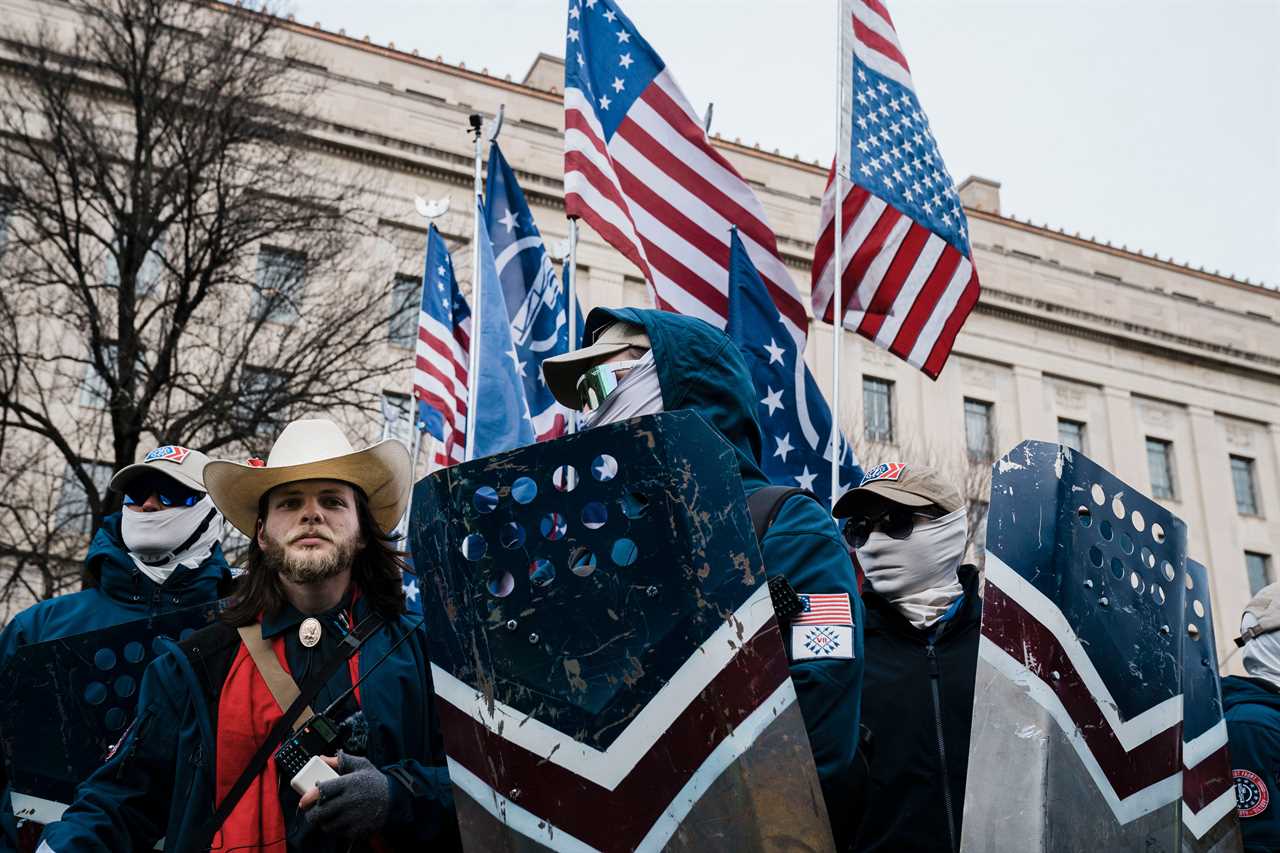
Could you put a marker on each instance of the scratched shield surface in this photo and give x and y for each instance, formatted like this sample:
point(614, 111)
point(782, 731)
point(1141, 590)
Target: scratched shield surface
point(1208, 790)
point(1077, 738)
point(607, 663)
point(64, 702)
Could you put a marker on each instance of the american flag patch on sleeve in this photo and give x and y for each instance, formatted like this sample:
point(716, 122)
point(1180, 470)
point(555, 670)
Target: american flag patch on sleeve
point(824, 608)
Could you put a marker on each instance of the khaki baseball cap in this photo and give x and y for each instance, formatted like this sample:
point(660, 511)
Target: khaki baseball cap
point(903, 483)
point(562, 371)
point(181, 463)
point(1263, 614)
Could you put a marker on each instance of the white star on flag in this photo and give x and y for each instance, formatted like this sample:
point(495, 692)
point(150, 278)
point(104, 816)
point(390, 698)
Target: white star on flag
point(624, 36)
point(625, 60)
point(805, 479)
point(775, 352)
point(411, 591)
point(784, 447)
point(617, 84)
point(509, 220)
point(773, 400)
point(604, 102)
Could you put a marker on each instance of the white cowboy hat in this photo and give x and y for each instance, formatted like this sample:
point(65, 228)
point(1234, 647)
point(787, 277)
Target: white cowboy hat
point(313, 450)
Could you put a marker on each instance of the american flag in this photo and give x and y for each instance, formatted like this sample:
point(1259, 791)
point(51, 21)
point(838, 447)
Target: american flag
point(640, 171)
point(908, 281)
point(440, 368)
point(824, 608)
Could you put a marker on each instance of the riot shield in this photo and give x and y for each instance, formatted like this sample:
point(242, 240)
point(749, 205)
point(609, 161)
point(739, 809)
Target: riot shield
point(65, 702)
point(606, 659)
point(1211, 823)
point(1078, 707)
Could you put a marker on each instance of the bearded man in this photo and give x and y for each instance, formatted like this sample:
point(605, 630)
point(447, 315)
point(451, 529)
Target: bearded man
point(322, 580)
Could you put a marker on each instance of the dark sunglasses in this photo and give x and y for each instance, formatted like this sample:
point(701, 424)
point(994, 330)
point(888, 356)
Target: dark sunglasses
point(167, 491)
point(895, 522)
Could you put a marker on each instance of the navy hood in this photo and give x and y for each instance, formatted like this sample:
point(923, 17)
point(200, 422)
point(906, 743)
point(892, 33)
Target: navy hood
point(699, 368)
point(1243, 689)
point(113, 570)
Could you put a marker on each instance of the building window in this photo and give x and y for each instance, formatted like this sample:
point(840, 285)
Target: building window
point(877, 409)
point(278, 287)
point(397, 416)
point(405, 307)
point(1160, 462)
point(1246, 491)
point(260, 402)
point(1071, 434)
point(1258, 567)
point(978, 433)
point(73, 513)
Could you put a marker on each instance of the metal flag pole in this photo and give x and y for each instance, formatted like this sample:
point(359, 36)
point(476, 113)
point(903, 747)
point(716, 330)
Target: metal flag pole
point(571, 302)
point(837, 305)
point(477, 303)
point(428, 210)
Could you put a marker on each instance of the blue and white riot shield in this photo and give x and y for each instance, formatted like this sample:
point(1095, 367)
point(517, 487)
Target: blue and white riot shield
point(606, 658)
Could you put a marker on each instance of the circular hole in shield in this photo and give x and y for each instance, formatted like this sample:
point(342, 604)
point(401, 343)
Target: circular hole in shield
point(104, 659)
point(524, 490)
point(158, 644)
point(1117, 507)
point(1190, 583)
point(541, 572)
point(565, 478)
point(485, 499)
point(1148, 558)
point(511, 535)
point(1166, 569)
point(594, 515)
point(1095, 556)
point(1099, 496)
point(582, 561)
point(474, 546)
point(1138, 584)
point(604, 468)
point(634, 505)
point(1139, 523)
point(500, 586)
point(1198, 607)
point(1117, 568)
point(95, 693)
point(1157, 592)
point(553, 526)
point(1104, 529)
point(623, 552)
point(1157, 532)
point(134, 651)
point(1126, 544)
point(124, 686)
point(1084, 515)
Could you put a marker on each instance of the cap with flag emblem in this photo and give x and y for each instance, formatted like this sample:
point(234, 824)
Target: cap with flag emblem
point(903, 483)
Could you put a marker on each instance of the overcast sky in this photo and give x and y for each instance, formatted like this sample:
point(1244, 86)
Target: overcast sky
point(1150, 124)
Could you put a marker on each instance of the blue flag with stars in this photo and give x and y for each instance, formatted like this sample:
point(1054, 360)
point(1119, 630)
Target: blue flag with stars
point(534, 297)
point(502, 419)
point(795, 453)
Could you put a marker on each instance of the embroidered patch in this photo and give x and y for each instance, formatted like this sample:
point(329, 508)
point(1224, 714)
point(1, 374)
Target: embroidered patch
point(885, 471)
point(169, 453)
point(1252, 797)
point(810, 642)
point(824, 608)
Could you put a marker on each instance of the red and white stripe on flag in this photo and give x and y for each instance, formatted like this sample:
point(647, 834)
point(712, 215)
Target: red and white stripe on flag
point(660, 194)
point(905, 285)
point(825, 608)
point(440, 381)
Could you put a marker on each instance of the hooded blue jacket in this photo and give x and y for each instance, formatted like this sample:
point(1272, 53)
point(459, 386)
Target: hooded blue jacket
point(700, 368)
point(1252, 709)
point(124, 594)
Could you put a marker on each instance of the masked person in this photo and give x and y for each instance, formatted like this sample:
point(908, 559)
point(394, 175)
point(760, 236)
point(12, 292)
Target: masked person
point(158, 554)
point(321, 578)
point(1251, 705)
point(907, 527)
point(643, 362)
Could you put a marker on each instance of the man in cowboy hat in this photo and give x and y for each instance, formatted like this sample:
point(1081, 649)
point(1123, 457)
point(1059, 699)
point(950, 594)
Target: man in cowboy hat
point(159, 554)
point(321, 577)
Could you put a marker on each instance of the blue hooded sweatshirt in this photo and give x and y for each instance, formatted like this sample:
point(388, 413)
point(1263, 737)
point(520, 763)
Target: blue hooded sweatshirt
point(700, 368)
point(1252, 709)
point(124, 594)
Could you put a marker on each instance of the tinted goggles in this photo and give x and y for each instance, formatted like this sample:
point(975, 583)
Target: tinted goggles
point(601, 381)
point(895, 522)
point(169, 492)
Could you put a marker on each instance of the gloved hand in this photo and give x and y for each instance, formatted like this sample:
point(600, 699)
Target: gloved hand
point(355, 804)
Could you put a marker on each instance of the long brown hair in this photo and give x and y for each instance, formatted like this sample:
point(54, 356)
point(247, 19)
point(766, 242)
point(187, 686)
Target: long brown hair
point(375, 570)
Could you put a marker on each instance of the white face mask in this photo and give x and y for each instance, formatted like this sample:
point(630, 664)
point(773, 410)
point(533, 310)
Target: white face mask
point(1261, 655)
point(639, 393)
point(918, 574)
point(161, 541)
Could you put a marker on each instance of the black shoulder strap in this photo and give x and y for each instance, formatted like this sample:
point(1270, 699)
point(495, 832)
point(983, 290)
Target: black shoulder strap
point(764, 505)
point(350, 644)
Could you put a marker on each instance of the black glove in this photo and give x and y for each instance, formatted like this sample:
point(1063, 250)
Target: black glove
point(355, 804)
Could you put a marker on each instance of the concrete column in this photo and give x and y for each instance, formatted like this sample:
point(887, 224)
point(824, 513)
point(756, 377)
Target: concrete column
point(1225, 561)
point(1035, 416)
point(1128, 450)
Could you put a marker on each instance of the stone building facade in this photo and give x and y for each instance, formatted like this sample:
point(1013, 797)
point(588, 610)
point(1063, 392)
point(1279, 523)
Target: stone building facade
point(1167, 375)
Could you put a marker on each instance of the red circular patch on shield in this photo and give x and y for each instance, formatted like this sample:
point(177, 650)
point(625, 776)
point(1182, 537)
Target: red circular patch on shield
point(1252, 797)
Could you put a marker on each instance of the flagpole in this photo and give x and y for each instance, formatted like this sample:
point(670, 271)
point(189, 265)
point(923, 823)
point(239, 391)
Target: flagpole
point(428, 210)
point(473, 354)
point(571, 302)
point(837, 305)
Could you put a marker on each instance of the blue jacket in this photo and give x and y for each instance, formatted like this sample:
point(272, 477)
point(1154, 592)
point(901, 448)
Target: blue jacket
point(143, 794)
point(1252, 709)
point(700, 368)
point(124, 594)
